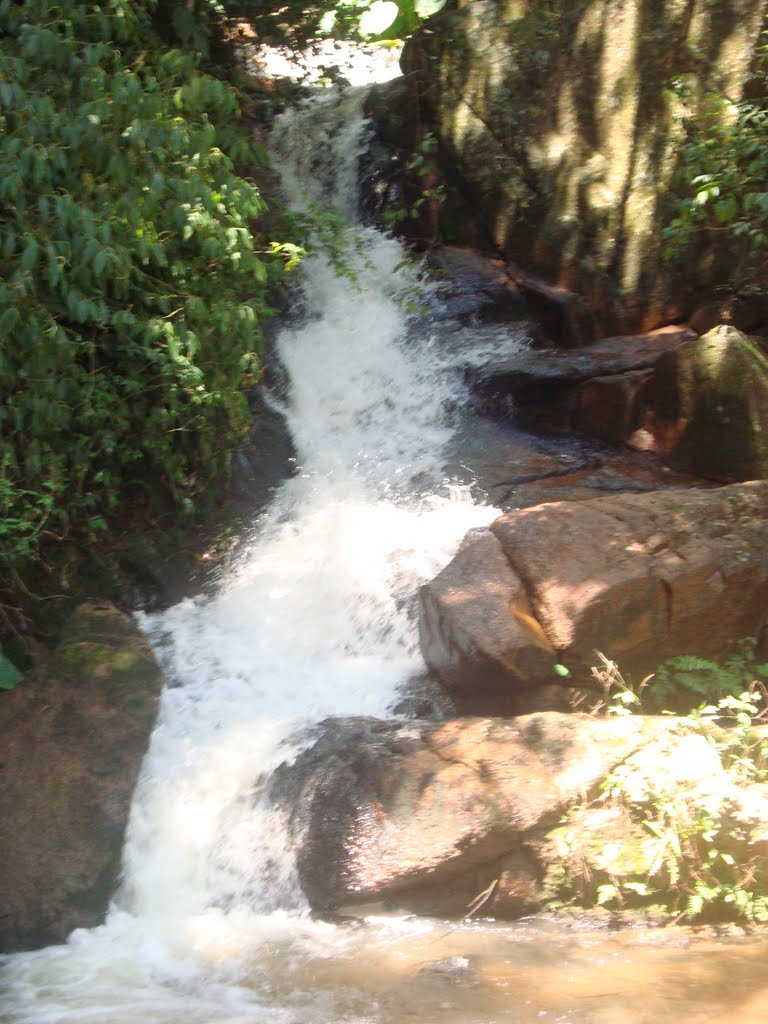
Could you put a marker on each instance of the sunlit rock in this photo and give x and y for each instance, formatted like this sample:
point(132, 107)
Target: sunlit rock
point(434, 816)
point(640, 577)
point(487, 657)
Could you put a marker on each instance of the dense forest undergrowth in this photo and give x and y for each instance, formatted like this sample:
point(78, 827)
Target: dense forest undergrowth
point(137, 278)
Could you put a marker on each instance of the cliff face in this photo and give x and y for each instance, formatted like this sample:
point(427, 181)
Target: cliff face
point(562, 122)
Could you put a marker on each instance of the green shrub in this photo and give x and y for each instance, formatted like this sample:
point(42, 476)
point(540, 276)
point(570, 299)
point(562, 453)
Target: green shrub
point(132, 296)
point(724, 186)
point(680, 683)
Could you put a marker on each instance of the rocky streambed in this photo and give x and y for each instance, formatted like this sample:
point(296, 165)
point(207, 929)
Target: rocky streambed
point(611, 547)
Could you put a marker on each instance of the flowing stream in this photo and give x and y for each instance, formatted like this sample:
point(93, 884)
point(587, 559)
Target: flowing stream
point(317, 619)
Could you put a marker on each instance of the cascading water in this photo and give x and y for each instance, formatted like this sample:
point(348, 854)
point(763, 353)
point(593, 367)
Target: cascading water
point(316, 620)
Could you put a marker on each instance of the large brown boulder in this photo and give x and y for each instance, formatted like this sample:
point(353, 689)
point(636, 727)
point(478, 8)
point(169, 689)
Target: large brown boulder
point(640, 577)
point(471, 637)
point(440, 817)
point(71, 744)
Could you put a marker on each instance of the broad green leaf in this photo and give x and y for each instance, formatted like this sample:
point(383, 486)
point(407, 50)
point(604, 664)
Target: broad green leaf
point(378, 17)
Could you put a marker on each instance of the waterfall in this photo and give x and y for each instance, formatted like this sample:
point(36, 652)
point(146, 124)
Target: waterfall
point(316, 619)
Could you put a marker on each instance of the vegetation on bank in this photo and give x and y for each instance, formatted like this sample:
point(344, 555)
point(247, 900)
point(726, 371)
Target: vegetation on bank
point(680, 831)
point(723, 183)
point(137, 277)
point(134, 290)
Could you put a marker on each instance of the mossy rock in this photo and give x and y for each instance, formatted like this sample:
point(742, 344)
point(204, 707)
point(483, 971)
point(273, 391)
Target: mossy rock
point(72, 739)
point(707, 407)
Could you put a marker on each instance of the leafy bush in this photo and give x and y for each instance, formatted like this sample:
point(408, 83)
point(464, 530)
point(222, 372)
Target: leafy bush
point(681, 682)
point(725, 185)
point(691, 846)
point(699, 856)
point(132, 296)
point(666, 836)
point(297, 23)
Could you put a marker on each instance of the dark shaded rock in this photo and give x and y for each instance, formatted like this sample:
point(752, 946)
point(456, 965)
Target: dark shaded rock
point(476, 286)
point(71, 744)
point(747, 314)
point(423, 697)
point(399, 173)
point(544, 389)
point(497, 460)
point(622, 473)
point(706, 408)
point(511, 468)
point(608, 406)
point(565, 318)
point(265, 459)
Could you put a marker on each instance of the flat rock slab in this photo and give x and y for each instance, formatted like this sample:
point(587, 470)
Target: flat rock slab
point(511, 468)
point(544, 389)
point(608, 356)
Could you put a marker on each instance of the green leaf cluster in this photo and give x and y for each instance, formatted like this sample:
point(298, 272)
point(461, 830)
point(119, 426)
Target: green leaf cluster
point(297, 23)
point(133, 293)
point(723, 198)
point(692, 848)
point(681, 681)
point(700, 856)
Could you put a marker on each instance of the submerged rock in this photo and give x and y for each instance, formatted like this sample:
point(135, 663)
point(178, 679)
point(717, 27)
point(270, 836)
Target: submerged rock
point(71, 745)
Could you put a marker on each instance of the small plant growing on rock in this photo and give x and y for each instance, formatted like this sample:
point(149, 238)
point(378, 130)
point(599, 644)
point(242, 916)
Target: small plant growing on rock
point(681, 824)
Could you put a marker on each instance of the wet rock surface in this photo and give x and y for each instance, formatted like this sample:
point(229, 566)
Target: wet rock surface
point(477, 286)
point(556, 390)
point(509, 467)
point(71, 744)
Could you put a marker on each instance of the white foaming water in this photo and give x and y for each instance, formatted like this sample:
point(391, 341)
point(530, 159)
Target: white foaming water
point(317, 619)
